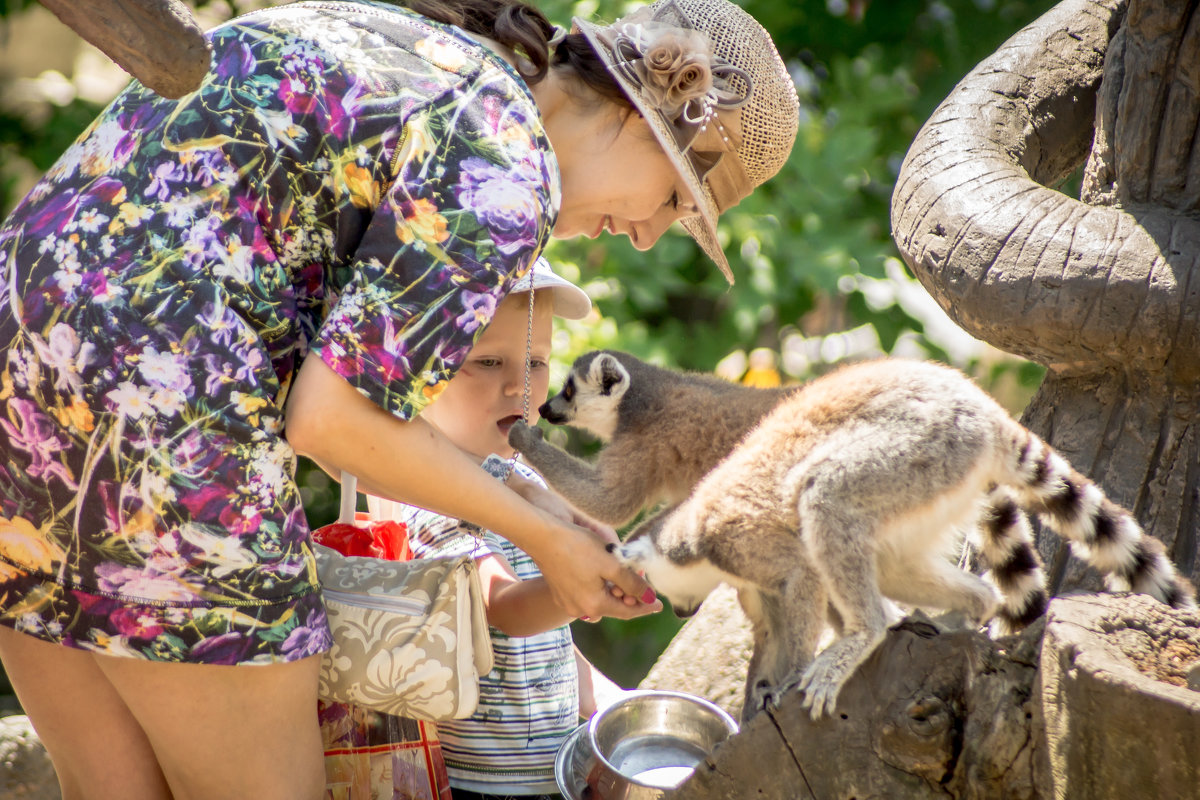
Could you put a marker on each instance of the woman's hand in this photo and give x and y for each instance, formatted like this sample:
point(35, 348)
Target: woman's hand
point(589, 582)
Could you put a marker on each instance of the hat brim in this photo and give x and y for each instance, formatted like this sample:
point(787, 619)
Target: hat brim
point(704, 227)
point(570, 302)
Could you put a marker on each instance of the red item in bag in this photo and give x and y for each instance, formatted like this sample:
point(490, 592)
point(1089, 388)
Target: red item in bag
point(387, 539)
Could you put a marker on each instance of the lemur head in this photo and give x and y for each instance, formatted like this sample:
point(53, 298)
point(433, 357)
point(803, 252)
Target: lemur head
point(684, 585)
point(590, 395)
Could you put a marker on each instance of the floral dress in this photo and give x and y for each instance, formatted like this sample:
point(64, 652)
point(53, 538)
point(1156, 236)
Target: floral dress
point(350, 179)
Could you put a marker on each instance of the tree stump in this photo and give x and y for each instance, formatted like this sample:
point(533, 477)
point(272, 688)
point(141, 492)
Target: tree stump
point(1092, 710)
point(1104, 291)
point(1120, 722)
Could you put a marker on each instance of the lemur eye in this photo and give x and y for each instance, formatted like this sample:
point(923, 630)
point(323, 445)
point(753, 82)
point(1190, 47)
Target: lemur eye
point(568, 390)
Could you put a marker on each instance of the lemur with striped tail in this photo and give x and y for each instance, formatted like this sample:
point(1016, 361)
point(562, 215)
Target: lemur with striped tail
point(857, 488)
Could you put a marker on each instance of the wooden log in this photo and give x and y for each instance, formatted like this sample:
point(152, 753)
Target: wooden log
point(931, 714)
point(1097, 707)
point(158, 42)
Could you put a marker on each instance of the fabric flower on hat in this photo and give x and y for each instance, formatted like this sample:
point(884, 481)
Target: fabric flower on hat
point(673, 67)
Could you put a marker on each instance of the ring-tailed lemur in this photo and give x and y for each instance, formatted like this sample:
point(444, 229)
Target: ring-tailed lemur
point(663, 431)
point(854, 489)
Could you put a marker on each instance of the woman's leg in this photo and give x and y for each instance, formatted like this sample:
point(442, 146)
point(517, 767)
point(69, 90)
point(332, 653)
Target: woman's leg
point(98, 749)
point(212, 732)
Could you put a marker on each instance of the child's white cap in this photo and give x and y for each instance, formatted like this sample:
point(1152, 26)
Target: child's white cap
point(570, 302)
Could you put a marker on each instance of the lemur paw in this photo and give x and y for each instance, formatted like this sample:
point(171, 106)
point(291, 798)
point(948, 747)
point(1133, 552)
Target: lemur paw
point(821, 684)
point(822, 681)
point(522, 436)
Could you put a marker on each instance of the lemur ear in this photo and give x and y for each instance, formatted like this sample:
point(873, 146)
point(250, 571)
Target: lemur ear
point(610, 375)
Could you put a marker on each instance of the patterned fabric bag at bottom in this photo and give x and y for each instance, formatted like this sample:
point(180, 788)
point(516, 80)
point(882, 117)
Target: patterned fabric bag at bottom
point(374, 756)
point(370, 755)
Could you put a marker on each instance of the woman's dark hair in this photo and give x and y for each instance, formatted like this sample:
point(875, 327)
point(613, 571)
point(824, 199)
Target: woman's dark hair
point(526, 31)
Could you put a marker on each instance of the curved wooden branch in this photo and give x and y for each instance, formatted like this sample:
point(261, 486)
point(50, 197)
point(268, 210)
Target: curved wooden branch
point(1025, 267)
point(156, 41)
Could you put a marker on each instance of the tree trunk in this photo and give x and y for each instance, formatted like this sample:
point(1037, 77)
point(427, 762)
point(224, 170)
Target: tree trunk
point(1104, 291)
point(1138, 437)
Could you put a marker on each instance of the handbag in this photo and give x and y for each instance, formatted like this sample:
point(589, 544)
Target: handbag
point(410, 638)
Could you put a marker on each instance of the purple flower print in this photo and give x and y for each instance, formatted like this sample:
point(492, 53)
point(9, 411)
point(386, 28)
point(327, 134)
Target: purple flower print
point(503, 200)
point(54, 215)
point(164, 174)
point(160, 580)
point(227, 648)
point(344, 107)
point(310, 638)
point(211, 167)
point(102, 190)
point(301, 90)
point(250, 358)
point(67, 355)
point(37, 435)
point(237, 63)
point(387, 349)
point(480, 308)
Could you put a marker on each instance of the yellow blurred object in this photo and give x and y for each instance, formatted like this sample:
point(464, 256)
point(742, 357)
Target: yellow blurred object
point(762, 369)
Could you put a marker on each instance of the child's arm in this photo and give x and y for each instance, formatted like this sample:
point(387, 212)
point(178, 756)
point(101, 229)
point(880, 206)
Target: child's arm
point(596, 690)
point(517, 607)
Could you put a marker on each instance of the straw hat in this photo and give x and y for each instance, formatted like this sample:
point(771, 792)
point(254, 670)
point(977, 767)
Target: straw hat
point(570, 302)
point(719, 99)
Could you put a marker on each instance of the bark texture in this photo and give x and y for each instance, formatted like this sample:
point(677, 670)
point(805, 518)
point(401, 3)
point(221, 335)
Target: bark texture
point(156, 41)
point(1104, 290)
point(1089, 703)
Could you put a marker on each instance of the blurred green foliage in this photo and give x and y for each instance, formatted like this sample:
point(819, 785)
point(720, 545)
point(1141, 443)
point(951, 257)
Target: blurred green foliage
point(817, 272)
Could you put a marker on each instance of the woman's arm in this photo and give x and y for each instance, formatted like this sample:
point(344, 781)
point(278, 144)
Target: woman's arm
point(333, 424)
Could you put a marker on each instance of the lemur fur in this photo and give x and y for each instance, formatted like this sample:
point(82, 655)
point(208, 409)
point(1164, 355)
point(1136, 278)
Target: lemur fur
point(664, 430)
point(856, 489)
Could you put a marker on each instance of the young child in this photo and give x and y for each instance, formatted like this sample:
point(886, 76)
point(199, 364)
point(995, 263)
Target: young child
point(541, 684)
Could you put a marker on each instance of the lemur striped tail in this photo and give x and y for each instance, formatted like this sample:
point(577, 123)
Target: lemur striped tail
point(1006, 541)
point(1099, 531)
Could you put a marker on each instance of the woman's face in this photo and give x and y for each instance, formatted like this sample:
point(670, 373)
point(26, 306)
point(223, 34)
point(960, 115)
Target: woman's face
point(619, 180)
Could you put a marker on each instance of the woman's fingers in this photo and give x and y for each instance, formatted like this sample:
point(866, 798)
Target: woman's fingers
point(588, 581)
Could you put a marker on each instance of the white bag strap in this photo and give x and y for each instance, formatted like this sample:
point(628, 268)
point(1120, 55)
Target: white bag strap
point(377, 507)
point(349, 498)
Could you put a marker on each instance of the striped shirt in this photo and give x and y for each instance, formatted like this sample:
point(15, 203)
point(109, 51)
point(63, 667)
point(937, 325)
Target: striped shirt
point(529, 702)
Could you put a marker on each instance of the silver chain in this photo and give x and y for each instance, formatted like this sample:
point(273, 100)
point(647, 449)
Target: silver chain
point(512, 461)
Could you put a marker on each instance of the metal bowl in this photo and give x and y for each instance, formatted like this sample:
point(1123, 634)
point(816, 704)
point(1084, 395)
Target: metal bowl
point(640, 747)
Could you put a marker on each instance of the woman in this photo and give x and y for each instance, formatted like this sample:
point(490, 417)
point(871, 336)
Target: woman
point(352, 189)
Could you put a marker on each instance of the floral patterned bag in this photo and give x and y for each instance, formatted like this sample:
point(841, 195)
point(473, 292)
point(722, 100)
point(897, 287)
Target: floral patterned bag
point(410, 637)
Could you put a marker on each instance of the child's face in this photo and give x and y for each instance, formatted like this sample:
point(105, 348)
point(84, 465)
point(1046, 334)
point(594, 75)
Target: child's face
point(484, 398)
